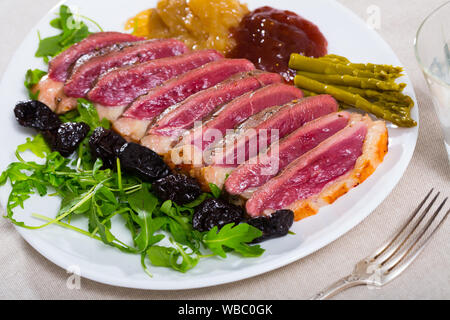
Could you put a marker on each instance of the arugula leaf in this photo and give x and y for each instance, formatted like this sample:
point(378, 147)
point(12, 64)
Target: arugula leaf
point(161, 256)
point(166, 207)
point(37, 145)
point(72, 31)
point(15, 172)
point(33, 77)
point(235, 238)
point(49, 47)
point(198, 201)
point(96, 170)
point(215, 190)
point(107, 200)
point(70, 201)
point(168, 257)
point(87, 113)
point(70, 116)
point(144, 203)
point(179, 225)
point(95, 224)
point(157, 224)
point(179, 233)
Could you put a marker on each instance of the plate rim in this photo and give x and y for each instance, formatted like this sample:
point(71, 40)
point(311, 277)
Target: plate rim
point(62, 259)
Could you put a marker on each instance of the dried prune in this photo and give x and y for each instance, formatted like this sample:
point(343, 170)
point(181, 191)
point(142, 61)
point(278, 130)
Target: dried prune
point(177, 187)
point(61, 137)
point(35, 114)
point(142, 162)
point(105, 144)
point(273, 226)
point(67, 137)
point(216, 212)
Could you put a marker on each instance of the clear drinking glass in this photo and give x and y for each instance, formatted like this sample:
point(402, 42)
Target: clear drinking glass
point(432, 47)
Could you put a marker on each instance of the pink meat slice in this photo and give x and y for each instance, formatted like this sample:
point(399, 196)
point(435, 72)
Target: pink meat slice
point(257, 171)
point(203, 103)
point(149, 106)
point(122, 86)
point(285, 121)
point(84, 76)
point(310, 173)
point(60, 65)
point(101, 52)
point(240, 109)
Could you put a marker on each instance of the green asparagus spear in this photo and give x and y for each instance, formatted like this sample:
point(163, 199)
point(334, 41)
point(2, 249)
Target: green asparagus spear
point(302, 63)
point(393, 107)
point(342, 105)
point(332, 60)
point(346, 80)
point(308, 93)
point(372, 93)
point(368, 67)
point(386, 96)
point(335, 57)
point(353, 100)
point(400, 104)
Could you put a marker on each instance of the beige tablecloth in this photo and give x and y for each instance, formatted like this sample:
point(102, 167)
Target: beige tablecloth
point(25, 274)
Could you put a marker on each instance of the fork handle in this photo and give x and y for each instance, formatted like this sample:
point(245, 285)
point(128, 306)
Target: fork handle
point(337, 287)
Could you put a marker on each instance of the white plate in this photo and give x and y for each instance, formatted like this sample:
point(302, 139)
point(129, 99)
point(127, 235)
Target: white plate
point(347, 35)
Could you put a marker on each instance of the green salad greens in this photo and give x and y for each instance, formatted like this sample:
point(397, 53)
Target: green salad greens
point(33, 77)
point(99, 195)
point(72, 30)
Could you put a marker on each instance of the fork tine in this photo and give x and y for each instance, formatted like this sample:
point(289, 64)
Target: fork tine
point(393, 250)
point(394, 272)
point(392, 264)
point(385, 246)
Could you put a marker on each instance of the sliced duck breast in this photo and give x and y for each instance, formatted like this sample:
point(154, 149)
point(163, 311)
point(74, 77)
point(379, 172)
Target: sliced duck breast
point(257, 132)
point(254, 136)
point(238, 111)
point(257, 171)
point(51, 93)
point(136, 119)
point(171, 124)
point(325, 173)
point(85, 74)
point(101, 52)
point(60, 65)
point(122, 86)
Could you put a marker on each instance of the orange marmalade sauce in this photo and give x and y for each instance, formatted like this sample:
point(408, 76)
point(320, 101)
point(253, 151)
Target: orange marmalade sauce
point(200, 24)
point(268, 36)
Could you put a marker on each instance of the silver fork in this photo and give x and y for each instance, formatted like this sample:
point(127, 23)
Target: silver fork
point(392, 258)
